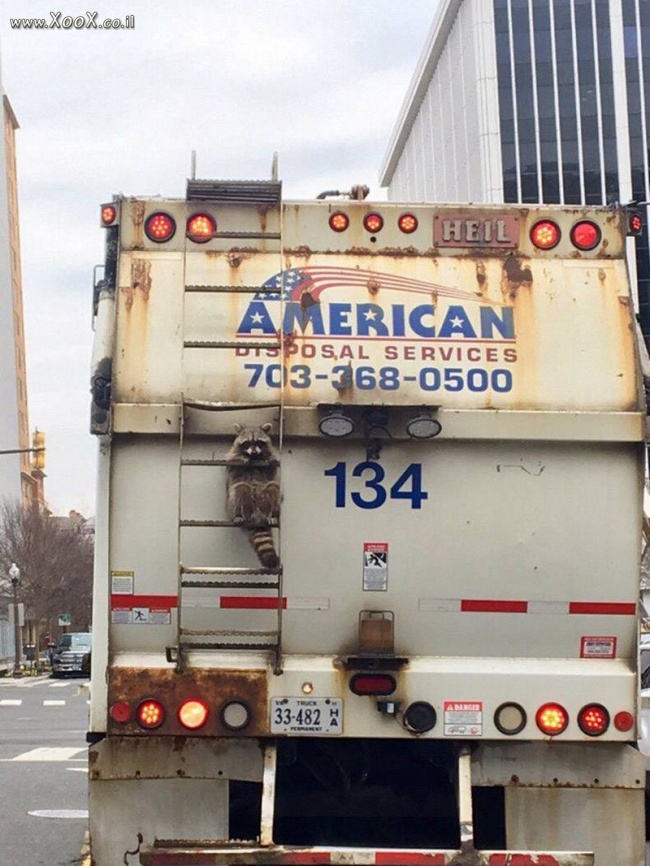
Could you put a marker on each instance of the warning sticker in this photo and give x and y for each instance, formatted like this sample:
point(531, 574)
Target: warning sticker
point(597, 647)
point(463, 718)
point(375, 566)
point(122, 582)
point(122, 615)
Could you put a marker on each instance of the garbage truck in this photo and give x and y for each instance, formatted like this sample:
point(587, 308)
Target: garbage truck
point(370, 481)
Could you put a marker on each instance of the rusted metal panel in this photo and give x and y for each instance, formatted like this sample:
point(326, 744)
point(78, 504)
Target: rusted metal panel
point(135, 685)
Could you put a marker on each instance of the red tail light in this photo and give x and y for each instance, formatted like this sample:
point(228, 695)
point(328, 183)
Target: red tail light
point(150, 714)
point(160, 227)
point(545, 234)
point(373, 684)
point(635, 223)
point(373, 222)
point(201, 228)
point(624, 721)
point(193, 714)
point(407, 223)
point(109, 214)
point(585, 235)
point(120, 712)
point(552, 719)
point(593, 720)
point(339, 221)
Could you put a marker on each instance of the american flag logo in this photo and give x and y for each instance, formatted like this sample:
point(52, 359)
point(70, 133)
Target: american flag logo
point(311, 281)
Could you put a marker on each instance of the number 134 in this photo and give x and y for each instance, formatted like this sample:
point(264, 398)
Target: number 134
point(374, 493)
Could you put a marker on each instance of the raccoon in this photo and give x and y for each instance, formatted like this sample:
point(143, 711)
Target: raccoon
point(252, 488)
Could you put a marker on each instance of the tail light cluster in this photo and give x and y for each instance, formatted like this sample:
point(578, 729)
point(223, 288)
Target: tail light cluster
point(160, 227)
point(193, 714)
point(373, 222)
point(546, 234)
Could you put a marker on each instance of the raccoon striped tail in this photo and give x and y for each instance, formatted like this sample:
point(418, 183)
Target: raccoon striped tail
point(262, 541)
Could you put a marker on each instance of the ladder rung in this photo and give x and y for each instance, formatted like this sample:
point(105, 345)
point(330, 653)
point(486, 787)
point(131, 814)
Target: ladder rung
point(235, 290)
point(230, 646)
point(229, 584)
point(230, 344)
point(190, 461)
point(223, 523)
point(228, 570)
point(227, 632)
point(271, 236)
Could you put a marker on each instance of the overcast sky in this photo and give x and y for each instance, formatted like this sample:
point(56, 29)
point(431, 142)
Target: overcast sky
point(106, 111)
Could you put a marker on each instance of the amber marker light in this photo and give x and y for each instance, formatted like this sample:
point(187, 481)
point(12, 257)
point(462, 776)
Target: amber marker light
point(193, 714)
point(339, 221)
point(552, 719)
point(373, 223)
point(585, 235)
point(201, 228)
point(120, 712)
point(593, 720)
point(407, 223)
point(150, 714)
point(108, 214)
point(160, 227)
point(545, 234)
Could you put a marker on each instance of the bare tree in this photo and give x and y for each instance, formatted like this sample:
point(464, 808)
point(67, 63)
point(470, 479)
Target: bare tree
point(56, 563)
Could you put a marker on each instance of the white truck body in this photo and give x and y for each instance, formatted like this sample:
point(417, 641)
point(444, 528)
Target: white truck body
point(485, 572)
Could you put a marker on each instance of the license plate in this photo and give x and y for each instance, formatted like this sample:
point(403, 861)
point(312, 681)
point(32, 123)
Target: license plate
point(306, 716)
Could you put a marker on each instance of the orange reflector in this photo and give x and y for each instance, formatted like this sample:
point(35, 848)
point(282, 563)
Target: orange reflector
point(545, 234)
point(339, 221)
point(109, 214)
point(585, 235)
point(193, 714)
point(593, 720)
point(201, 227)
point(120, 712)
point(552, 719)
point(373, 684)
point(407, 223)
point(373, 222)
point(623, 721)
point(160, 227)
point(150, 714)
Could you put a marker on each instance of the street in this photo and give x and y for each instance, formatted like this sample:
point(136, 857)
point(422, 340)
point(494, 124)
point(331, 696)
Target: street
point(43, 771)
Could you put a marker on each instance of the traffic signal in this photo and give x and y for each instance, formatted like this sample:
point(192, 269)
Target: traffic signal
point(38, 453)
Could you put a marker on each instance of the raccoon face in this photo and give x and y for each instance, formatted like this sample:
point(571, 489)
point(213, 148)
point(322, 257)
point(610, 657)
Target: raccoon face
point(254, 443)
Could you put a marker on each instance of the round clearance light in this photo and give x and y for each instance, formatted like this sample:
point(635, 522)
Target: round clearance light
point(623, 721)
point(545, 234)
point(373, 222)
point(552, 719)
point(339, 221)
point(407, 223)
point(635, 223)
point(419, 717)
point(593, 720)
point(373, 684)
point(336, 425)
point(150, 714)
point(120, 712)
point(201, 228)
point(108, 214)
point(423, 427)
point(160, 227)
point(235, 715)
point(193, 714)
point(585, 235)
point(510, 719)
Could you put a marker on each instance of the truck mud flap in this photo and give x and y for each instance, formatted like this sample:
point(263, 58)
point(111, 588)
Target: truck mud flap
point(179, 853)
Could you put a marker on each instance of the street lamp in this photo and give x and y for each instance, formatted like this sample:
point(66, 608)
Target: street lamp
point(14, 575)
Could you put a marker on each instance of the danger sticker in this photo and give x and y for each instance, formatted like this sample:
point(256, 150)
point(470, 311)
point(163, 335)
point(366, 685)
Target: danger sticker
point(463, 718)
point(597, 647)
point(122, 582)
point(375, 566)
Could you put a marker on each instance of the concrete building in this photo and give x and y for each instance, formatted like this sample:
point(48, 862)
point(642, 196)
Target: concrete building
point(530, 101)
point(17, 478)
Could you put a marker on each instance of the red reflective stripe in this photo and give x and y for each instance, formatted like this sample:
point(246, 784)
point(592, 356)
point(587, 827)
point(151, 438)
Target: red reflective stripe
point(408, 858)
point(484, 605)
point(155, 601)
point(617, 608)
point(251, 602)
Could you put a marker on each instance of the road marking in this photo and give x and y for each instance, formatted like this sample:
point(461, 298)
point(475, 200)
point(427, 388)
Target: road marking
point(59, 685)
point(77, 769)
point(10, 703)
point(54, 703)
point(44, 753)
point(60, 813)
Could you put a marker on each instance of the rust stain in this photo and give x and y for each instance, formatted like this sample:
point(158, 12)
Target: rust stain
point(140, 282)
point(481, 274)
point(302, 251)
point(137, 218)
point(214, 687)
point(236, 256)
point(515, 275)
point(373, 285)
